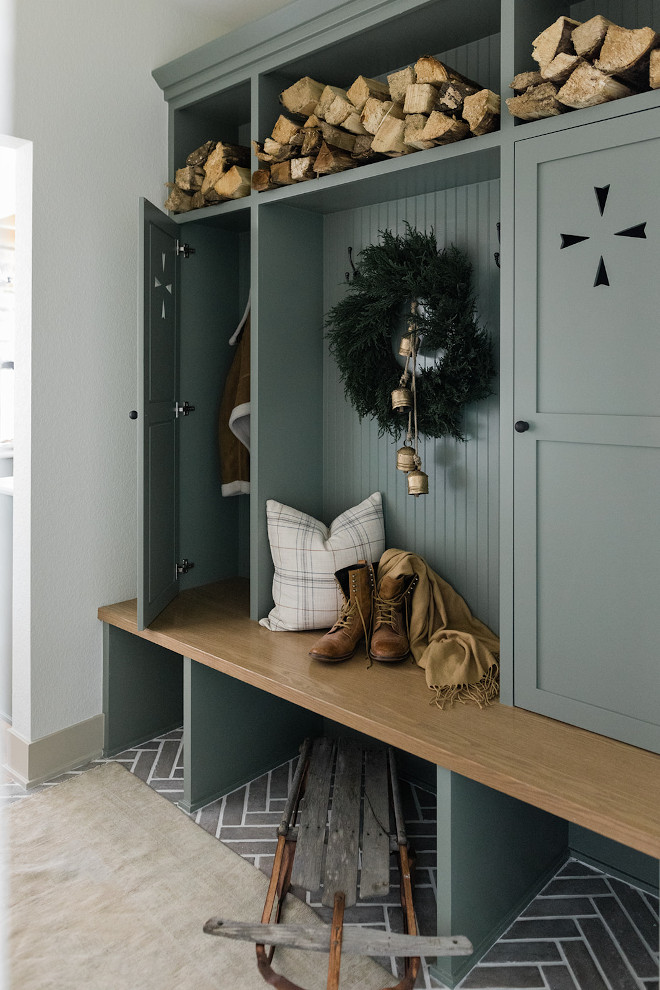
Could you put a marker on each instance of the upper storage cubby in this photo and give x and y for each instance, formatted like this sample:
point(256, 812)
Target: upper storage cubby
point(593, 57)
point(222, 116)
point(384, 44)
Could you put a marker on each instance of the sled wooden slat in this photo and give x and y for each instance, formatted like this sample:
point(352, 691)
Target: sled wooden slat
point(355, 941)
point(375, 866)
point(307, 865)
point(344, 832)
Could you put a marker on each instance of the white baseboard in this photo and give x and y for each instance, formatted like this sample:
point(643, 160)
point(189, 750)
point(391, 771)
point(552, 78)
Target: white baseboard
point(31, 763)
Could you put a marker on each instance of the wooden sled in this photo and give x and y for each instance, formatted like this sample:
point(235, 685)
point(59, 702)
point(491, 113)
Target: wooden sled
point(359, 824)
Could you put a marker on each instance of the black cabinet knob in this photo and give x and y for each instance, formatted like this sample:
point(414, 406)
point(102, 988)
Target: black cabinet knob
point(521, 426)
point(132, 414)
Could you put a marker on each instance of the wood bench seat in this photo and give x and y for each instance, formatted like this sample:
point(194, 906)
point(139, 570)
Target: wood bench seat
point(607, 786)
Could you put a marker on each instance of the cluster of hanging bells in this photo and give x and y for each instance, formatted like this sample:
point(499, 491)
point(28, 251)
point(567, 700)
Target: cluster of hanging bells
point(404, 400)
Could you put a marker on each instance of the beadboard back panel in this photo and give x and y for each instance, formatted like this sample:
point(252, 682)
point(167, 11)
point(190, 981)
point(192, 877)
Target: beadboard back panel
point(627, 13)
point(454, 527)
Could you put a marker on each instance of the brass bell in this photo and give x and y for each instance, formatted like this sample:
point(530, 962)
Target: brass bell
point(402, 399)
point(405, 459)
point(406, 346)
point(418, 483)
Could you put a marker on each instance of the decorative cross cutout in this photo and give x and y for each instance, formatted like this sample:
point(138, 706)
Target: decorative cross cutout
point(568, 240)
point(160, 285)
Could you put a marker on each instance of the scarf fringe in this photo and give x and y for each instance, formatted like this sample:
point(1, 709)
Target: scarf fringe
point(482, 694)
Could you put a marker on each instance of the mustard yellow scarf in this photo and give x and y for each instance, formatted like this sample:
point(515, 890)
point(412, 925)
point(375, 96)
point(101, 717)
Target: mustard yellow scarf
point(459, 653)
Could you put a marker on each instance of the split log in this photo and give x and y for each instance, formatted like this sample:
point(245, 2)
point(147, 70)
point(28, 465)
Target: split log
point(331, 160)
point(626, 54)
point(524, 80)
point(260, 153)
point(560, 68)
point(336, 137)
point(482, 111)
point(420, 98)
point(388, 139)
point(279, 152)
point(198, 200)
point(338, 111)
point(412, 134)
point(261, 180)
point(312, 141)
point(451, 96)
point(199, 155)
point(222, 158)
point(286, 131)
point(327, 98)
point(234, 184)
point(375, 112)
point(588, 37)
point(588, 86)
point(208, 190)
point(430, 70)
point(398, 83)
point(189, 178)
point(363, 149)
point(554, 40)
point(536, 102)
point(443, 129)
point(178, 201)
point(302, 97)
point(280, 174)
point(364, 88)
point(654, 69)
point(209, 194)
point(303, 168)
point(353, 124)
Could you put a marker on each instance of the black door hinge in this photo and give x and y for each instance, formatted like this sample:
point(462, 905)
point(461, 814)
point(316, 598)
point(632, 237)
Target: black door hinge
point(183, 409)
point(184, 566)
point(184, 249)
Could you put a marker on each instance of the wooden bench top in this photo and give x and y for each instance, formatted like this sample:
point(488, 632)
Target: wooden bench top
point(599, 783)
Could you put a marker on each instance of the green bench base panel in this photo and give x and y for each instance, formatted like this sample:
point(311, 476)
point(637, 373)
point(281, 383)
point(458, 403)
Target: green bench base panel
point(234, 732)
point(494, 855)
point(142, 690)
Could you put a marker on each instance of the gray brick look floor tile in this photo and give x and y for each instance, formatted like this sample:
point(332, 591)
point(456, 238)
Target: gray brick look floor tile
point(549, 907)
point(607, 954)
point(638, 910)
point(583, 967)
point(559, 978)
point(503, 978)
point(538, 928)
point(631, 944)
point(521, 952)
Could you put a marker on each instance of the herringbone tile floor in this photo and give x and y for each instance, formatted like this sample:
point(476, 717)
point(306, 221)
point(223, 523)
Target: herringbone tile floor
point(585, 931)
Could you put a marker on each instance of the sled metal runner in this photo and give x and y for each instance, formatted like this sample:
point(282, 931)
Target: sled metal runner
point(365, 799)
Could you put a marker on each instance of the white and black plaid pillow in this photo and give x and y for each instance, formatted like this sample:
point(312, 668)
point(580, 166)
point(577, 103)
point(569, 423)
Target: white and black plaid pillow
point(306, 554)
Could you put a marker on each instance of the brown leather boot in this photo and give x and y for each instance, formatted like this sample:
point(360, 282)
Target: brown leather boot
point(389, 635)
point(357, 585)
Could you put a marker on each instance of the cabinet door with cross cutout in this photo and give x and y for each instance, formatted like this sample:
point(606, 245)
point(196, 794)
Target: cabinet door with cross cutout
point(587, 427)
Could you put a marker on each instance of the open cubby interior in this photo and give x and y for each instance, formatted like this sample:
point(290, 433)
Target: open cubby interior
point(223, 116)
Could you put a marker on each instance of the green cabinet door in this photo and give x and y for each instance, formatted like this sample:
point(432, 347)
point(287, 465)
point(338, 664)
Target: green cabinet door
point(587, 427)
point(157, 436)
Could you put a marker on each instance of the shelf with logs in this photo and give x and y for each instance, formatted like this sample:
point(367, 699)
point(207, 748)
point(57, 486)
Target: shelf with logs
point(584, 64)
point(327, 130)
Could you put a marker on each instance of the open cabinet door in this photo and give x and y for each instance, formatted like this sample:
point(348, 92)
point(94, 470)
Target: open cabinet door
point(158, 370)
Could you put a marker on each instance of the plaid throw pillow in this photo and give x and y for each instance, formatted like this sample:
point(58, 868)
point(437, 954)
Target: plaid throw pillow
point(306, 554)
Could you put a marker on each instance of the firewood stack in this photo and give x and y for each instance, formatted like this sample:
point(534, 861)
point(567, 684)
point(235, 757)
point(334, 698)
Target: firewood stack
point(333, 129)
point(213, 173)
point(581, 64)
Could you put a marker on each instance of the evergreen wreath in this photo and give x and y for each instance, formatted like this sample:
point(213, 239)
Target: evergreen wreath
point(360, 329)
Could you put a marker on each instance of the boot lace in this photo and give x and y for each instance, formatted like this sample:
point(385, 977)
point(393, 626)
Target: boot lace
point(348, 610)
